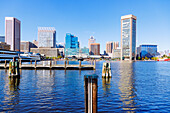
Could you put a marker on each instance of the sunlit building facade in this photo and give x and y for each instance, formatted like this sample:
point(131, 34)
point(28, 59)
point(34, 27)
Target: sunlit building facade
point(128, 37)
point(26, 46)
point(95, 49)
point(12, 33)
point(110, 46)
point(91, 40)
point(46, 37)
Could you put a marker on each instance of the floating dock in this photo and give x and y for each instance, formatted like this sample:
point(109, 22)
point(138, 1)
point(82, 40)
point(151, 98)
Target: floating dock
point(53, 65)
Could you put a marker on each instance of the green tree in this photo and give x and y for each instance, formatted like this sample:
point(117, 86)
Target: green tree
point(146, 58)
point(164, 56)
point(59, 57)
point(139, 58)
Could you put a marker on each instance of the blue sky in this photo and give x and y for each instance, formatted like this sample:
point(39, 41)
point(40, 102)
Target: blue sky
point(83, 18)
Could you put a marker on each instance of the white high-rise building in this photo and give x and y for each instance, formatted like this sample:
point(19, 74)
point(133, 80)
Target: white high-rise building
point(47, 37)
point(13, 33)
point(128, 37)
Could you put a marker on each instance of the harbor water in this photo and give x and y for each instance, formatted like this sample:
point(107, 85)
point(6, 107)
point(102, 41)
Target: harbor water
point(135, 87)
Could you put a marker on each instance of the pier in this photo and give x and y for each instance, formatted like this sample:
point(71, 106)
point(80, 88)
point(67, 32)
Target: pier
point(52, 64)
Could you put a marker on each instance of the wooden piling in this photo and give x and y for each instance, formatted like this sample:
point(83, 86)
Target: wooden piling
point(31, 61)
point(50, 64)
point(80, 64)
point(65, 64)
point(14, 68)
point(94, 90)
point(35, 64)
point(55, 62)
point(94, 64)
point(20, 63)
point(5, 64)
point(90, 85)
point(91, 62)
point(86, 93)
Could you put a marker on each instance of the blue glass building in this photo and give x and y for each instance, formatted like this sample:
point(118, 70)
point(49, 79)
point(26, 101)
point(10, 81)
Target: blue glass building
point(147, 51)
point(71, 44)
point(71, 41)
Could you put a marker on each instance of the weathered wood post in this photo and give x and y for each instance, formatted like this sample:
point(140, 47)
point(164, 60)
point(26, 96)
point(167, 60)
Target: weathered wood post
point(80, 64)
point(65, 64)
point(94, 64)
point(35, 64)
point(20, 63)
point(5, 64)
point(55, 62)
point(14, 68)
point(90, 87)
point(91, 62)
point(31, 61)
point(50, 64)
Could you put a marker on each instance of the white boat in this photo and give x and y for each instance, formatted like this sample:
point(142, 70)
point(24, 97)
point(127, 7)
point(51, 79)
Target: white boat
point(106, 71)
point(8, 55)
point(29, 56)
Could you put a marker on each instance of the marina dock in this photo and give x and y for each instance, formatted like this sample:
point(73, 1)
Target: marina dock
point(53, 65)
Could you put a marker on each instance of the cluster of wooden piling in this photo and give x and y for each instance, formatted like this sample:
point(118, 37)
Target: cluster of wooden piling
point(90, 86)
point(106, 71)
point(14, 68)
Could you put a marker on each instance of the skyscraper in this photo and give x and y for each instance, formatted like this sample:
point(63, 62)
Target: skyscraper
point(128, 37)
point(91, 40)
point(110, 46)
point(12, 32)
point(95, 49)
point(46, 37)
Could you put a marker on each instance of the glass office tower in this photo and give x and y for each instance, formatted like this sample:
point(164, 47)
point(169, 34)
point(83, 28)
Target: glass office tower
point(71, 41)
point(71, 45)
point(147, 51)
point(128, 37)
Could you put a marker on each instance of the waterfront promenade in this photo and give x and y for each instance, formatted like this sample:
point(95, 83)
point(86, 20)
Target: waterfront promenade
point(53, 65)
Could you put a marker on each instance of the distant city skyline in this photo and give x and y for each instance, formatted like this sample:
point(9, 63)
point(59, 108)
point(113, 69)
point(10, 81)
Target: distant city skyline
point(102, 23)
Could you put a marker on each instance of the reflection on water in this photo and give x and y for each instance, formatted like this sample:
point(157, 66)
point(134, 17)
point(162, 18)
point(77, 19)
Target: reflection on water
point(134, 87)
point(126, 86)
point(12, 92)
point(106, 85)
point(14, 83)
